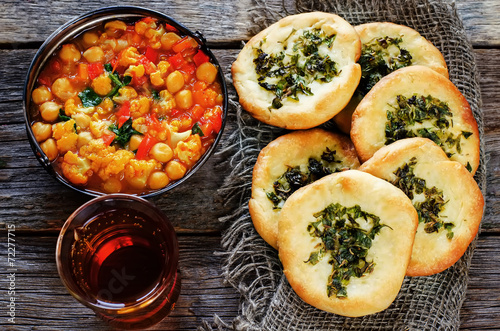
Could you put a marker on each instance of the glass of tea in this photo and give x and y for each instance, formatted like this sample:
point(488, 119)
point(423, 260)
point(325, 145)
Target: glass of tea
point(118, 254)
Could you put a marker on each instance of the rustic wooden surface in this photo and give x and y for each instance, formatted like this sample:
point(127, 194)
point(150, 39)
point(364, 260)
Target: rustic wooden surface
point(38, 205)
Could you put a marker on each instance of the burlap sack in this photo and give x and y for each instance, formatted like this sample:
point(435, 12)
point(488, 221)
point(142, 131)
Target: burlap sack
point(253, 267)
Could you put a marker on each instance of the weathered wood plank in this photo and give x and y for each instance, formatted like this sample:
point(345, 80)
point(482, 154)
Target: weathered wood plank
point(481, 309)
point(42, 301)
point(481, 21)
point(27, 189)
point(220, 21)
point(19, 177)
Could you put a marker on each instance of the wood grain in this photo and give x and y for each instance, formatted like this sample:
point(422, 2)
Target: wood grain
point(37, 202)
point(232, 18)
point(38, 205)
point(43, 301)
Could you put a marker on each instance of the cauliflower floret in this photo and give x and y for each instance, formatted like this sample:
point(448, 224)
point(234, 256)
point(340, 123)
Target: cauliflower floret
point(65, 135)
point(102, 84)
point(166, 104)
point(74, 106)
point(139, 107)
point(140, 124)
point(106, 161)
point(105, 107)
point(189, 151)
point(96, 151)
point(163, 67)
point(76, 169)
point(129, 56)
point(137, 172)
point(137, 71)
point(114, 163)
point(98, 128)
point(71, 106)
point(126, 93)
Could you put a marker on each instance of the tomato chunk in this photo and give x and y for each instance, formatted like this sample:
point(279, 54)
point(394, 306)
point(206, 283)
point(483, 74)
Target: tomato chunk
point(200, 58)
point(145, 146)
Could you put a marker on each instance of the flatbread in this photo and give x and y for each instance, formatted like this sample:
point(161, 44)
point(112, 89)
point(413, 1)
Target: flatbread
point(456, 132)
point(373, 36)
point(390, 249)
point(325, 98)
point(289, 151)
point(461, 199)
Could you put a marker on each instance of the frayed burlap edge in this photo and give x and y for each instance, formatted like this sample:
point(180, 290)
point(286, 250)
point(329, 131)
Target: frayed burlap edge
point(253, 268)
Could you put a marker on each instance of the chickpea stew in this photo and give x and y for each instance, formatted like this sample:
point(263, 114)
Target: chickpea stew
point(127, 107)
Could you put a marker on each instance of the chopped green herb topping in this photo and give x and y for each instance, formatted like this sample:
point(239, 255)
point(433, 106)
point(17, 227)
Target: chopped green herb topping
point(433, 204)
point(347, 242)
point(89, 98)
point(155, 94)
point(294, 178)
point(62, 116)
point(376, 61)
point(408, 117)
point(288, 75)
point(115, 78)
point(197, 130)
point(123, 133)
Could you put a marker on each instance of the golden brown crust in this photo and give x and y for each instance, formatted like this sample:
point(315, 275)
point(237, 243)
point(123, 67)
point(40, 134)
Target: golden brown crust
point(370, 117)
point(291, 150)
point(434, 252)
point(390, 250)
point(422, 51)
point(328, 99)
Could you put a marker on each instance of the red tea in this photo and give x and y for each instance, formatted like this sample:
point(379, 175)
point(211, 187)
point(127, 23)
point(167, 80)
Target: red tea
point(118, 256)
point(121, 261)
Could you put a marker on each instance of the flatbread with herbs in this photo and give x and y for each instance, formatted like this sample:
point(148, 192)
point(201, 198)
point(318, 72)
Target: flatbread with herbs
point(445, 195)
point(289, 163)
point(299, 72)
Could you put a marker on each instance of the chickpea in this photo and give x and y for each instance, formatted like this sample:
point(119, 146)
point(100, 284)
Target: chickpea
point(94, 54)
point(169, 39)
point(115, 28)
point(206, 72)
point(121, 44)
point(50, 111)
point(184, 99)
point(83, 139)
point(49, 147)
point(112, 185)
point(102, 85)
point(158, 180)
point(161, 152)
point(82, 120)
point(175, 170)
point(41, 94)
point(135, 141)
point(175, 81)
point(90, 38)
point(42, 131)
point(69, 53)
point(63, 89)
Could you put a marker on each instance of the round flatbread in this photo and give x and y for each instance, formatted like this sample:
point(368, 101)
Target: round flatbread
point(299, 72)
point(345, 242)
point(416, 102)
point(385, 48)
point(448, 200)
point(288, 163)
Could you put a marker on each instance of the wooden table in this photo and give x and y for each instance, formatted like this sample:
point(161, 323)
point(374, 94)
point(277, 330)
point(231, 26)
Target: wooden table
point(37, 205)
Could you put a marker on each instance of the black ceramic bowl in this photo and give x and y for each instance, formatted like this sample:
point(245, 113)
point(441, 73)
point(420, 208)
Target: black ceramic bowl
point(86, 22)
